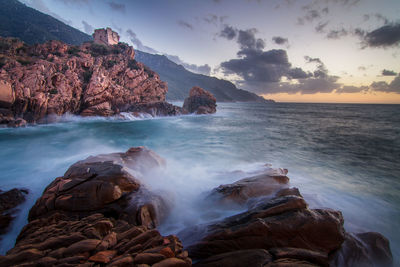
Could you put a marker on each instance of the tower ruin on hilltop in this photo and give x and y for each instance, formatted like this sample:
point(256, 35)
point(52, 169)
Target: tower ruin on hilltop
point(105, 36)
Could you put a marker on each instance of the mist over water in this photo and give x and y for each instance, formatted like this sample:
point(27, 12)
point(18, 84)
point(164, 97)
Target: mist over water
point(340, 156)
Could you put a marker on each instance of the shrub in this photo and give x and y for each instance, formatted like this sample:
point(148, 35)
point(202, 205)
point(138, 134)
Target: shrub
point(132, 64)
point(99, 50)
point(110, 64)
point(73, 50)
point(87, 75)
point(53, 91)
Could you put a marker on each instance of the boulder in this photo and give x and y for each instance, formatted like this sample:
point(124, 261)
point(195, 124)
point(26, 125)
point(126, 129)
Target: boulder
point(266, 184)
point(103, 184)
point(200, 101)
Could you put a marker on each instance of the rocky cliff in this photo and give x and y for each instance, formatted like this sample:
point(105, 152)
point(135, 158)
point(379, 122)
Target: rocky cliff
point(55, 78)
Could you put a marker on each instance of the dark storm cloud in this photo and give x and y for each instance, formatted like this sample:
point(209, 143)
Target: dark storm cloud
point(262, 71)
point(185, 24)
point(385, 36)
point(259, 66)
point(228, 32)
point(138, 44)
point(202, 69)
point(388, 73)
point(89, 29)
point(117, 7)
point(279, 40)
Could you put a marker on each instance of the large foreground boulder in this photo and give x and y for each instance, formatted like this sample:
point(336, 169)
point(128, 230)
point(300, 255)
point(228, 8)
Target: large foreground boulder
point(200, 101)
point(104, 184)
point(278, 229)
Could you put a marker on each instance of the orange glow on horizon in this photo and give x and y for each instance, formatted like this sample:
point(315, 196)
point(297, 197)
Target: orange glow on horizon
point(368, 98)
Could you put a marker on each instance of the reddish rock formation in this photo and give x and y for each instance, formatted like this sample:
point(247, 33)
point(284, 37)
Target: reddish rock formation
point(102, 184)
point(200, 101)
point(55, 78)
point(9, 200)
point(63, 240)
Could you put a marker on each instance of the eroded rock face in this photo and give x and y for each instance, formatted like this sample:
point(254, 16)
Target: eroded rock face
point(55, 78)
point(200, 101)
point(62, 240)
point(103, 184)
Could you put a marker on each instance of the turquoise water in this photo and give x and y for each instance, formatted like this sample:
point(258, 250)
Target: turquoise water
point(341, 156)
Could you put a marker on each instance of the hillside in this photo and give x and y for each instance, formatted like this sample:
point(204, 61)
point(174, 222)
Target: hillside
point(181, 80)
point(32, 26)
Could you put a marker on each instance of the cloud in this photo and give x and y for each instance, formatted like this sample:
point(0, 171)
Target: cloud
point(248, 41)
point(185, 24)
point(388, 73)
point(385, 36)
point(393, 87)
point(377, 16)
point(320, 28)
point(351, 89)
point(138, 44)
point(201, 69)
point(87, 27)
point(280, 40)
point(117, 7)
point(214, 19)
point(228, 32)
point(337, 34)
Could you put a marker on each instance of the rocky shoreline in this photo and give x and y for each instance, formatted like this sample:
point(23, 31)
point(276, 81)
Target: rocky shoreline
point(100, 213)
point(40, 82)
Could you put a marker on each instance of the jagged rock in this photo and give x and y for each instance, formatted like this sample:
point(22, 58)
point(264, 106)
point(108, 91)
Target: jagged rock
point(200, 101)
point(9, 200)
point(102, 184)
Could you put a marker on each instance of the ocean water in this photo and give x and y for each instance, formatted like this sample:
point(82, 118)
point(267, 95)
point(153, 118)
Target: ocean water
point(340, 156)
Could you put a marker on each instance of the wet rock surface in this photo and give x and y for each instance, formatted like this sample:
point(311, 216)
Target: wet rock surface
point(103, 184)
point(9, 201)
point(278, 229)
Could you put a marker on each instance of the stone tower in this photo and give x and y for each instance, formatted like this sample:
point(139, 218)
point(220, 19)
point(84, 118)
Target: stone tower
point(105, 36)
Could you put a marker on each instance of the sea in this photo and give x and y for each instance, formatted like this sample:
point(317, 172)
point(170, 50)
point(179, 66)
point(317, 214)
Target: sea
point(340, 156)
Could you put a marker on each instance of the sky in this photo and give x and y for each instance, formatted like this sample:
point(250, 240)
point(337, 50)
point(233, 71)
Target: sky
point(345, 51)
